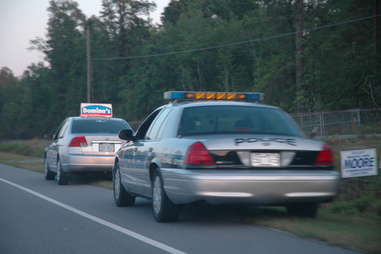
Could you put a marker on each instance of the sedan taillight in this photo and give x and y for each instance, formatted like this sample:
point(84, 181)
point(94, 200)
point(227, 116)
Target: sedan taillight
point(325, 157)
point(78, 141)
point(198, 155)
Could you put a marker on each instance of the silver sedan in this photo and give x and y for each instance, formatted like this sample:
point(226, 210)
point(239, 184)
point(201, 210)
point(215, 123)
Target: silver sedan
point(83, 145)
point(222, 152)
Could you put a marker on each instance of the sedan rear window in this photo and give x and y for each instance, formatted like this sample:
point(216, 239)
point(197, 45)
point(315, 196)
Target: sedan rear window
point(236, 119)
point(98, 126)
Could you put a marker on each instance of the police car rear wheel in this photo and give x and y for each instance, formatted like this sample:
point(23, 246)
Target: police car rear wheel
point(163, 208)
point(303, 209)
point(49, 175)
point(121, 196)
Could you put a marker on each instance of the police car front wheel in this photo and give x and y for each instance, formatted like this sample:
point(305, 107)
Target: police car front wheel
point(121, 196)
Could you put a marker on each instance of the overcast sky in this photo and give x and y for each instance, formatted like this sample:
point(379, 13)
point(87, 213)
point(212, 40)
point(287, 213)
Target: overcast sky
point(23, 20)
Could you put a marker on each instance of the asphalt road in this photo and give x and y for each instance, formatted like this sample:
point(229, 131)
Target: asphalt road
point(38, 216)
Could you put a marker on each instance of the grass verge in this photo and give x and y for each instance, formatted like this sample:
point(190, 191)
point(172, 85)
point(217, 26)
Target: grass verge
point(358, 232)
point(22, 161)
point(32, 147)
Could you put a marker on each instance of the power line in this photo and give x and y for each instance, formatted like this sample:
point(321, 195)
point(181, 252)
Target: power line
point(238, 43)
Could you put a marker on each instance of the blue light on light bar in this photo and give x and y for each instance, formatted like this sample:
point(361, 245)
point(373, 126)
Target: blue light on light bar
point(229, 96)
point(174, 95)
point(254, 96)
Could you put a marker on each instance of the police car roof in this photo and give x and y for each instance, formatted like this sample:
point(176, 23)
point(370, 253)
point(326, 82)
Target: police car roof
point(188, 104)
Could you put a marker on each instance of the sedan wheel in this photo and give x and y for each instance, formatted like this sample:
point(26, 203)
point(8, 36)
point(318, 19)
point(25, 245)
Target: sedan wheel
point(163, 208)
point(61, 177)
point(49, 175)
point(121, 196)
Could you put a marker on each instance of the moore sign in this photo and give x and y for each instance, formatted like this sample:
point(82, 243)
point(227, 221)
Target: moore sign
point(356, 163)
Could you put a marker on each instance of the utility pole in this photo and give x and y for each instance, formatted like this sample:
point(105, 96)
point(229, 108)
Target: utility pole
point(299, 55)
point(377, 8)
point(88, 61)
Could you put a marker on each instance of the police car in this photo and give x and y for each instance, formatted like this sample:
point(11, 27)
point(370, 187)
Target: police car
point(84, 144)
point(222, 148)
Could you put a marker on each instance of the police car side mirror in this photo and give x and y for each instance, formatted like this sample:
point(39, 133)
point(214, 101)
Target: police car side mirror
point(126, 134)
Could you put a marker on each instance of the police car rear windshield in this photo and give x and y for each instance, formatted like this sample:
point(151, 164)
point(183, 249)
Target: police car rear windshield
point(98, 126)
point(236, 120)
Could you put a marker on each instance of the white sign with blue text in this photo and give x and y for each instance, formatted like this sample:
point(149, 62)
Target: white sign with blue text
point(357, 163)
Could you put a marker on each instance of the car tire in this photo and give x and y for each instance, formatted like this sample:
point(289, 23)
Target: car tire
point(162, 207)
point(303, 210)
point(121, 196)
point(49, 175)
point(62, 178)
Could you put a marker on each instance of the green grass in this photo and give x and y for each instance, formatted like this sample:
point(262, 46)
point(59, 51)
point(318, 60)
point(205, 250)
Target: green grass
point(359, 232)
point(32, 147)
point(22, 161)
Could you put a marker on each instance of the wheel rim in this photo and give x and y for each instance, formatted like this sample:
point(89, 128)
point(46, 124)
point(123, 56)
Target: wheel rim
point(58, 175)
point(157, 195)
point(46, 167)
point(117, 184)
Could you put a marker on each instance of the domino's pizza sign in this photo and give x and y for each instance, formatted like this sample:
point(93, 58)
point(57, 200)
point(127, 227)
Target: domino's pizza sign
point(96, 110)
point(357, 163)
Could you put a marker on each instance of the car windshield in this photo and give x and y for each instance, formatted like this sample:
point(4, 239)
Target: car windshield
point(236, 120)
point(98, 126)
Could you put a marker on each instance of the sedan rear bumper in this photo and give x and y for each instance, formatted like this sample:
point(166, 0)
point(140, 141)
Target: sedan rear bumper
point(275, 187)
point(88, 163)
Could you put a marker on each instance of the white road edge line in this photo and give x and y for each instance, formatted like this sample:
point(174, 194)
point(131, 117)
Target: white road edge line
point(103, 222)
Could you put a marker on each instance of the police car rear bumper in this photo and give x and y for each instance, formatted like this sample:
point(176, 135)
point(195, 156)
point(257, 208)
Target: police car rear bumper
point(275, 187)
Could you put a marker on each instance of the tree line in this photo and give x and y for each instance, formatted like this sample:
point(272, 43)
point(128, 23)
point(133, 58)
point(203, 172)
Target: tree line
point(310, 55)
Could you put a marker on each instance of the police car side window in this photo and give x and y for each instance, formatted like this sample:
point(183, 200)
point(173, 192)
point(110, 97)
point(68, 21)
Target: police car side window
point(141, 132)
point(164, 129)
point(155, 126)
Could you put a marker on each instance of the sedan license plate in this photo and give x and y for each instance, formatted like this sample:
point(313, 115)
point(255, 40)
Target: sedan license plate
point(106, 148)
point(265, 159)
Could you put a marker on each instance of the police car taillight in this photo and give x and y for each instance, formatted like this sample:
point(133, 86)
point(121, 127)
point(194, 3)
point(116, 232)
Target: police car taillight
point(78, 141)
point(198, 155)
point(325, 157)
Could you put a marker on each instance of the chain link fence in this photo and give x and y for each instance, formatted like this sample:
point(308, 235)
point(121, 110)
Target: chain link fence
point(346, 122)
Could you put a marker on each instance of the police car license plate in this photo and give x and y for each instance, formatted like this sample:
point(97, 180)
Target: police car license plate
point(265, 159)
point(106, 148)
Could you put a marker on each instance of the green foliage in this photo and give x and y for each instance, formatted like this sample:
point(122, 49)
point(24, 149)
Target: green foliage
point(343, 207)
point(33, 147)
point(340, 63)
point(366, 204)
point(376, 206)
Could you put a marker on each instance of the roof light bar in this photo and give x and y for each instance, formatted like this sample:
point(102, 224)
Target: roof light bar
point(230, 96)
